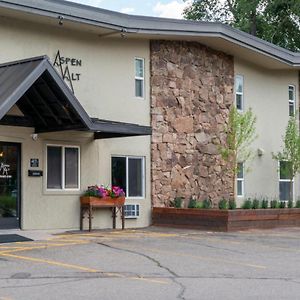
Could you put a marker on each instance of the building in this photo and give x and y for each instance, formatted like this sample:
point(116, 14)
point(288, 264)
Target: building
point(81, 90)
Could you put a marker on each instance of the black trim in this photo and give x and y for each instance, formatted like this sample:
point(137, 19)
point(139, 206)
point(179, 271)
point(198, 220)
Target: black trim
point(10, 224)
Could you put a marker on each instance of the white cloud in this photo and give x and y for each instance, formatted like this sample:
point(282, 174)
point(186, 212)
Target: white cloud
point(173, 9)
point(127, 10)
point(95, 3)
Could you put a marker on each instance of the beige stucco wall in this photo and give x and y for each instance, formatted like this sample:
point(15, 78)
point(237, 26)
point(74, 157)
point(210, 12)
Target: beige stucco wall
point(106, 91)
point(106, 85)
point(266, 92)
point(42, 209)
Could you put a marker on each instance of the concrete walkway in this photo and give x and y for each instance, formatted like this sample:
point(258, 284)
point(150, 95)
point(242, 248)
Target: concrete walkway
point(36, 235)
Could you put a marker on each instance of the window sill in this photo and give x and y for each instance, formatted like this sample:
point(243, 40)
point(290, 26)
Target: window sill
point(62, 192)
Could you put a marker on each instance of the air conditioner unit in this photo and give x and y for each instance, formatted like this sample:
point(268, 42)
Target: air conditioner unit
point(131, 211)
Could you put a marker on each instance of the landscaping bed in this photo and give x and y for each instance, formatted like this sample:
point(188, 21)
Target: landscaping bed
point(225, 220)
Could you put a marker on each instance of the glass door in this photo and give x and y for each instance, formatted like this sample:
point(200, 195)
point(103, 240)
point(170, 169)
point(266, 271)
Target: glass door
point(9, 185)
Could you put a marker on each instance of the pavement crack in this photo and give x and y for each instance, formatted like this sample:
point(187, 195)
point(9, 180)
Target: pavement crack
point(143, 255)
point(173, 274)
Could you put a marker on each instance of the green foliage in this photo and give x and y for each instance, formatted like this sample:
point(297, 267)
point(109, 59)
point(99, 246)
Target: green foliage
point(255, 204)
point(290, 204)
point(297, 204)
point(291, 150)
point(240, 133)
point(177, 202)
point(282, 204)
point(231, 204)
point(199, 205)
point(247, 204)
point(264, 203)
point(274, 203)
point(276, 21)
point(223, 204)
point(206, 203)
point(192, 203)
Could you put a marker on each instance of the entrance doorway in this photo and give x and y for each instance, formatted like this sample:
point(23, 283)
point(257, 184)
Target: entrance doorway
point(10, 183)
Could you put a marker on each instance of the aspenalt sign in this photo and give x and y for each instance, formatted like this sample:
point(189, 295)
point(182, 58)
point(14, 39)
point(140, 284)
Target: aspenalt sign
point(68, 68)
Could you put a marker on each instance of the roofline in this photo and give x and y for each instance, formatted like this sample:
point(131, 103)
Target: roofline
point(80, 13)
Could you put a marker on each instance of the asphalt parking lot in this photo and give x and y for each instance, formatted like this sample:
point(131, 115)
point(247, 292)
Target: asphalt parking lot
point(154, 263)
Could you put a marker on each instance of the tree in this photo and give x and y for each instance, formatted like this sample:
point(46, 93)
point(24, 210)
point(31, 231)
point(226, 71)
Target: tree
point(240, 133)
point(276, 21)
point(290, 152)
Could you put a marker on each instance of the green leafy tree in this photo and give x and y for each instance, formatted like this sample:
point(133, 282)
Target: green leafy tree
point(290, 152)
point(240, 133)
point(276, 21)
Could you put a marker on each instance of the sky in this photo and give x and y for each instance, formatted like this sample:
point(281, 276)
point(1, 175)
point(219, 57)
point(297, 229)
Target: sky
point(161, 8)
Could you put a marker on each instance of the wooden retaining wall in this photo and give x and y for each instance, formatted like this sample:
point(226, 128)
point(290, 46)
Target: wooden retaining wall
point(225, 220)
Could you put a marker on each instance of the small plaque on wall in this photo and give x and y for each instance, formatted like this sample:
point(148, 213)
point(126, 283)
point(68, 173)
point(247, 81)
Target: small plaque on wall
point(35, 173)
point(34, 163)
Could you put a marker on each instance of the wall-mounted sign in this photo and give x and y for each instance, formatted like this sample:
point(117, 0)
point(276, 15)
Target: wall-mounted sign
point(67, 68)
point(35, 173)
point(4, 170)
point(34, 162)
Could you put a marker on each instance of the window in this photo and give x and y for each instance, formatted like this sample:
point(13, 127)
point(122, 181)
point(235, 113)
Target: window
point(131, 211)
point(240, 180)
point(139, 77)
point(62, 167)
point(129, 174)
point(285, 185)
point(292, 100)
point(239, 92)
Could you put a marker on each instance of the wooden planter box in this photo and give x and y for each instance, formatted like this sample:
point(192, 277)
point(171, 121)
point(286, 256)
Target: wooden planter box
point(105, 201)
point(225, 220)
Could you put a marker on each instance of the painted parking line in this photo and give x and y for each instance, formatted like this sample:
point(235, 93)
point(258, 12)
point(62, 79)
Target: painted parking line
point(206, 258)
point(10, 254)
point(50, 262)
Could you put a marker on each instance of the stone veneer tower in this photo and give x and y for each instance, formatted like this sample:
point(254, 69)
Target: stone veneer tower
point(191, 92)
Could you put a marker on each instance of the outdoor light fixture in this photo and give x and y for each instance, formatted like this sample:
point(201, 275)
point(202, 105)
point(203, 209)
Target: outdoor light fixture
point(34, 136)
point(260, 152)
point(60, 22)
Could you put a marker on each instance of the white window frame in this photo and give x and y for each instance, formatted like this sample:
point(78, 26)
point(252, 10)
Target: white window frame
point(292, 101)
point(127, 177)
point(239, 93)
point(139, 78)
point(63, 188)
point(242, 180)
point(135, 205)
point(284, 180)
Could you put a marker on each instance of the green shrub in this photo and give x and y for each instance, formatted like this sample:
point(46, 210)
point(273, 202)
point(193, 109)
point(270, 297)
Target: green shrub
point(223, 204)
point(247, 204)
point(297, 204)
point(290, 204)
point(255, 204)
point(199, 205)
point(177, 202)
point(282, 204)
point(192, 203)
point(206, 203)
point(231, 204)
point(264, 203)
point(274, 203)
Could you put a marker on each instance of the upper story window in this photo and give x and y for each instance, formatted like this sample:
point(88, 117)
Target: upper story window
point(292, 100)
point(240, 179)
point(62, 167)
point(129, 174)
point(139, 77)
point(239, 92)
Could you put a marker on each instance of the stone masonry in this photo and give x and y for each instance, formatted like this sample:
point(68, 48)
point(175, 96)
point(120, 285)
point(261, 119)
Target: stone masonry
point(191, 92)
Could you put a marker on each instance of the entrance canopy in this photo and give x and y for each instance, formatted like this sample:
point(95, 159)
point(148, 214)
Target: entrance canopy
point(47, 103)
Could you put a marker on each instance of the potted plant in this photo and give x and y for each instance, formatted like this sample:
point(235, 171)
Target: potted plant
point(104, 196)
